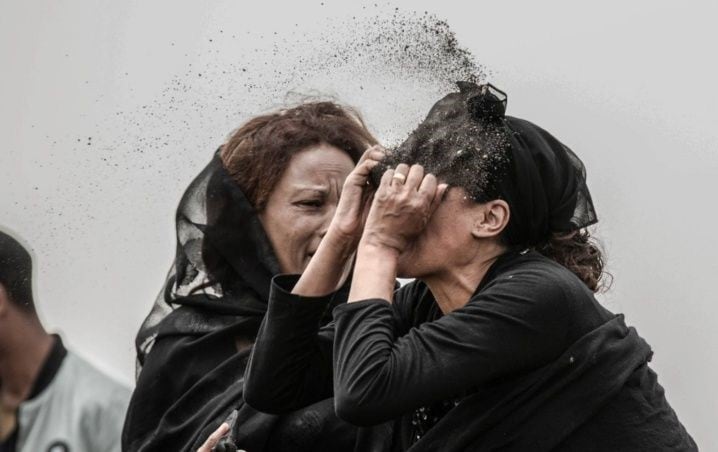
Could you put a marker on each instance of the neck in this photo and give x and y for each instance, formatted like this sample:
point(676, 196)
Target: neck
point(24, 350)
point(453, 288)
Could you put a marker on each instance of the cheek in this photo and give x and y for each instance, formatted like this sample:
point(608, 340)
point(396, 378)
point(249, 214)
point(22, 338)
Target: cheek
point(303, 226)
point(295, 230)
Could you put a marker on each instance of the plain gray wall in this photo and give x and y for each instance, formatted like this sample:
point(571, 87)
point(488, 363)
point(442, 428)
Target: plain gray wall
point(630, 86)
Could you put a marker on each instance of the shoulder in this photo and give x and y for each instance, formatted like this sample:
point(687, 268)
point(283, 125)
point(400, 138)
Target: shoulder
point(534, 279)
point(94, 392)
point(539, 271)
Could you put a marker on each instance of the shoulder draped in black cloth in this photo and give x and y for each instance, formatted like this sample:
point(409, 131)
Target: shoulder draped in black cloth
point(532, 362)
point(193, 346)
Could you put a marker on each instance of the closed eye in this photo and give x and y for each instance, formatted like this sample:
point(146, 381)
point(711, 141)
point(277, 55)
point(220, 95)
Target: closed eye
point(314, 203)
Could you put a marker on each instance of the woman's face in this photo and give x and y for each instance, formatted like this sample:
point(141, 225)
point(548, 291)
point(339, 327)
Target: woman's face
point(302, 204)
point(446, 242)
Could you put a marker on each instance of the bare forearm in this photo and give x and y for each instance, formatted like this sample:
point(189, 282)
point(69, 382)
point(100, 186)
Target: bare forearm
point(328, 268)
point(374, 273)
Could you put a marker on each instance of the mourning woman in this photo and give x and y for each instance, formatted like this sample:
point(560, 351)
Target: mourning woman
point(499, 343)
point(259, 208)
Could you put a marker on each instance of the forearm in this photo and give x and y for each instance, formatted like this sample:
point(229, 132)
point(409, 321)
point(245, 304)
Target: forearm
point(328, 268)
point(381, 370)
point(379, 375)
point(362, 349)
point(290, 365)
point(374, 273)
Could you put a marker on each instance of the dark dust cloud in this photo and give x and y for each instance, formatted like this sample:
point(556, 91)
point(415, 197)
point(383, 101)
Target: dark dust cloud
point(392, 65)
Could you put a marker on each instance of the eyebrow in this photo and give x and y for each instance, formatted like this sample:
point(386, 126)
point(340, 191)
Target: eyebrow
point(319, 190)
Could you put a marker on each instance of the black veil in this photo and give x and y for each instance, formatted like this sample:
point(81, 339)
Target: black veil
point(194, 345)
point(223, 262)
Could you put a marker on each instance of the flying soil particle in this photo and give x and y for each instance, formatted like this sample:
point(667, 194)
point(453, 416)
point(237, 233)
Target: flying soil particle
point(391, 64)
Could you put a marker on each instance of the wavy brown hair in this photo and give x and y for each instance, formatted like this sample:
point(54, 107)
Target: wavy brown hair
point(580, 253)
point(258, 152)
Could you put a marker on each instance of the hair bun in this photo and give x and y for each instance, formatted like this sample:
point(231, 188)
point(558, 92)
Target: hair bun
point(488, 105)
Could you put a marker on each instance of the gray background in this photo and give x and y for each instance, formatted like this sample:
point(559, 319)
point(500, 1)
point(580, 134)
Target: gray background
point(104, 122)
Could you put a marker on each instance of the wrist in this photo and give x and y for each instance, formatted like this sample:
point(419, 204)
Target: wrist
point(383, 244)
point(376, 248)
point(327, 269)
point(342, 244)
point(374, 272)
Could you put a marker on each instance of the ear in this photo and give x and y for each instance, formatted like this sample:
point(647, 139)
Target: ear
point(491, 219)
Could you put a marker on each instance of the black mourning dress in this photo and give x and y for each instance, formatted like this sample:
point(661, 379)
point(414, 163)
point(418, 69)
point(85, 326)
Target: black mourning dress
point(531, 363)
point(194, 345)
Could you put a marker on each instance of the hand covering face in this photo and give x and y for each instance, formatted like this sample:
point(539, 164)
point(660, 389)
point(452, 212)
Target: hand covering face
point(467, 141)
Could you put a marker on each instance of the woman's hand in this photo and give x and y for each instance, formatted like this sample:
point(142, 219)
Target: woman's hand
point(214, 438)
point(402, 206)
point(330, 265)
point(401, 209)
point(355, 199)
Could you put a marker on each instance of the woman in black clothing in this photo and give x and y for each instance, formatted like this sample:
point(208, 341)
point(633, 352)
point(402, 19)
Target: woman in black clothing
point(259, 208)
point(499, 344)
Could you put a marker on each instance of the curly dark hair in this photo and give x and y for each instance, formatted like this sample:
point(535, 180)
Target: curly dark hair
point(579, 252)
point(257, 153)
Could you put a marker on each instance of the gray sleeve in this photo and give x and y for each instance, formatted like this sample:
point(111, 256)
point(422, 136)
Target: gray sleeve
point(103, 420)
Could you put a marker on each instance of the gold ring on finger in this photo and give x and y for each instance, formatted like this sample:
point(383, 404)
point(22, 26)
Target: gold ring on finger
point(399, 177)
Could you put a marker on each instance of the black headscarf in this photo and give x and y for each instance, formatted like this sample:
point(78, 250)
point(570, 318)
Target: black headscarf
point(223, 262)
point(193, 347)
point(467, 140)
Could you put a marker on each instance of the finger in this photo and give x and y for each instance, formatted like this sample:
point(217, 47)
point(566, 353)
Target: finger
point(399, 176)
point(441, 191)
point(374, 147)
point(402, 168)
point(375, 152)
point(365, 167)
point(428, 186)
point(414, 178)
point(214, 438)
point(378, 152)
point(385, 182)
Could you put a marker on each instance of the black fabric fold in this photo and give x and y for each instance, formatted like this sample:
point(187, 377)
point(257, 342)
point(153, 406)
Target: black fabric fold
point(545, 407)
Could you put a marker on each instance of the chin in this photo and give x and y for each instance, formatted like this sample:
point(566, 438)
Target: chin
point(408, 267)
point(417, 263)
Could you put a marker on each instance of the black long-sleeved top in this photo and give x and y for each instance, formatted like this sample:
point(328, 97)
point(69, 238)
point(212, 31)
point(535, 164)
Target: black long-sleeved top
point(531, 361)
